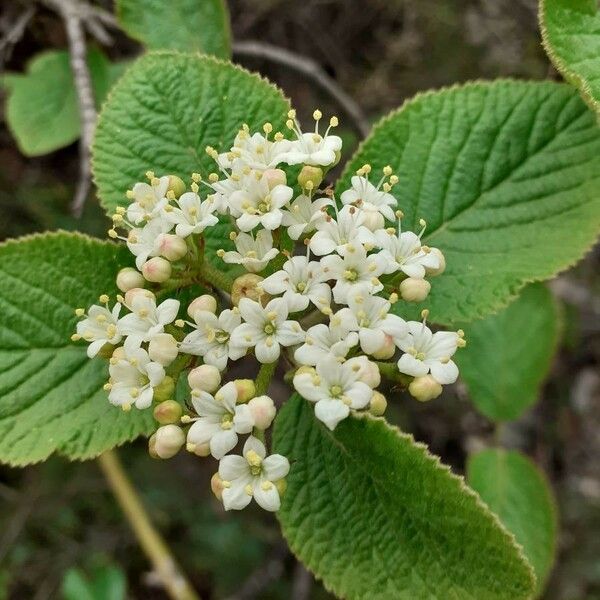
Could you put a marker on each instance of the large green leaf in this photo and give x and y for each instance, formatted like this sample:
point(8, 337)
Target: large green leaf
point(42, 111)
point(51, 396)
point(507, 176)
point(508, 354)
point(514, 488)
point(376, 517)
point(188, 25)
point(571, 37)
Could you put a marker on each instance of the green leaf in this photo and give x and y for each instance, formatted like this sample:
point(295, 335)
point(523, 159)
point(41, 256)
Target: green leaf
point(109, 583)
point(571, 37)
point(515, 489)
point(507, 176)
point(187, 25)
point(163, 113)
point(42, 111)
point(508, 355)
point(76, 586)
point(376, 517)
point(51, 396)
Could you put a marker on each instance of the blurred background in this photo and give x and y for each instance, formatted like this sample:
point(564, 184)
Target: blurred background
point(57, 516)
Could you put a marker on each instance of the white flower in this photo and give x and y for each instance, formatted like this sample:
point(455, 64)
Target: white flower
point(335, 388)
point(300, 281)
point(322, 340)
point(147, 200)
point(252, 475)
point(133, 376)
point(403, 252)
point(220, 420)
point(373, 321)
point(211, 339)
point(336, 234)
point(429, 352)
point(369, 198)
point(252, 253)
point(100, 327)
point(313, 149)
point(146, 319)
point(192, 216)
point(353, 269)
point(303, 215)
point(266, 329)
point(254, 151)
point(145, 242)
point(257, 204)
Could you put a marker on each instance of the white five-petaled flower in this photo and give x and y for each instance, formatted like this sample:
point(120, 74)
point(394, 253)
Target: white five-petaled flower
point(254, 253)
point(372, 320)
point(303, 215)
point(100, 327)
point(254, 151)
point(211, 338)
point(403, 251)
point(369, 198)
point(426, 352)
point(353, 269)
point(220, 420)
point(192, 215)
point(266, 329)
point(313, 149)
point(145, 242)
point(335, 234)
point(252, 475)
point(146, 318)
point(300, 281)
point(335, 388)
point(133, 376)
point(147, 200)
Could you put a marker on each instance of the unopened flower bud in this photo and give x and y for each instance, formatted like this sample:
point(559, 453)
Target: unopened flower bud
point(414, 290)
point(442, 266)
point(245, 390)
point(172, 247)
point(132, 293)
point(163, 348)
point(168, 412)
point(164, 390)
point(157, 270)
point(216, 485)
point(373, 220)
point(263, 411)
point(305, 369)
point(205, 377)
point(128, 279)
point(152, 446)
point(312, 174)
point(424, 388)
point(274, 177)
point(378, 404)
point(176, 185)
point(202, 450)
point(168, 440)
point(387, 350)
point(246, 286)
point(368, 371)
point(205, 302)
point(118, 353)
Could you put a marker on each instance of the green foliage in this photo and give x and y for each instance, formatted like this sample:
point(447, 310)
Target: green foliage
point(187, 25)
point(51, 396)
point(508, 354)
point(107, 583)
point(507, 176)
point(514, 488)
point(42, 111)
point(375, 516)
point(571, 37)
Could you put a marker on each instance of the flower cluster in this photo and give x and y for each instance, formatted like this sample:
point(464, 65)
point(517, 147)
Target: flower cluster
point(324, 279)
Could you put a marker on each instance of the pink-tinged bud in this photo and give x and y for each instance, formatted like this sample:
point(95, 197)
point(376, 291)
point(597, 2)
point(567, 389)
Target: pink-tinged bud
point(373, 220)
point(157, 270)
point(176, 185)
point(246, 286)
point(205, 302)
point(163, 348)
point(424, 388)
point(245, 390)
point(387, 350)
point(378, 404)
point(172, 247)
point(205, 377)
point(217, 487)
point(164, 390)
point(168, 440)
point(310, 177)
point(129, 279)
point(274, 177)
point(414, 290)
point(131, 294)
point(368, 371)
point(263, 411)
point(168, 412)
point(442, 266)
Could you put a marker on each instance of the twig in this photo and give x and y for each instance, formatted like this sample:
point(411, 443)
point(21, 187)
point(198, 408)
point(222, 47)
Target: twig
point(311, 70)
point(302, 583)
point(173, 579)
point(14, 34)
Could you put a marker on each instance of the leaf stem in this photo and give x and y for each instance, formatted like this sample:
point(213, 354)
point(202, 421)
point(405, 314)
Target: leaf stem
point(390, 371)
point(263, 379)
point(173, 579)
point(216, 278)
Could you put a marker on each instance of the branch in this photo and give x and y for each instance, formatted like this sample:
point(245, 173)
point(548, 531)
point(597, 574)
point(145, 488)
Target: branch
point(14, 34)
point(312, 71)
point(173, 579)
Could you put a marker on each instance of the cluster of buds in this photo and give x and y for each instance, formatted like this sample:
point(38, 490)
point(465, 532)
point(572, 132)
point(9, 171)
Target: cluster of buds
point(329, 306)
